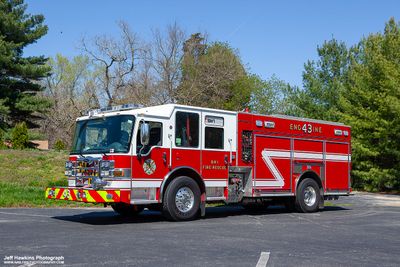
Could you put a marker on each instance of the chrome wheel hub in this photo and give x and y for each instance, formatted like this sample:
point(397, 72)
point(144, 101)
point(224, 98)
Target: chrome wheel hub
point(184, 199)
point(310, 196)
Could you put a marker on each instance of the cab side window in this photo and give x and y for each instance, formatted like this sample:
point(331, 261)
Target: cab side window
point(186, 129)
point(155, 136)
point(214, 138)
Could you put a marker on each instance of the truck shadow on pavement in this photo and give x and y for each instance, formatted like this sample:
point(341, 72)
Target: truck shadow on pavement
point(112, 218)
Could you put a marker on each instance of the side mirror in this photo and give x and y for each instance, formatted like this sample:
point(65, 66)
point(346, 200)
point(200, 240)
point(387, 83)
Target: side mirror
point(145, 134)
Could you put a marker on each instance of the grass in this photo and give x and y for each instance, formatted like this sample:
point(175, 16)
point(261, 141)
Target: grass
point(24, 175)
point(331, 204)
point(215, 204)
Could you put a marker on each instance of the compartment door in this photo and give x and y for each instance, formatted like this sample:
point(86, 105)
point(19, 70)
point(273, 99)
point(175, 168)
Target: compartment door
point(272, 164)
point(337, 166)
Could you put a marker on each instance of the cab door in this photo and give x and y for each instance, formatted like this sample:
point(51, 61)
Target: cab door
point(215, 149)
point(152, 163)
point(186, 141)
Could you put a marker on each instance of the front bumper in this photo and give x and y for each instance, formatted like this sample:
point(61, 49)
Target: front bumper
point(88, 195)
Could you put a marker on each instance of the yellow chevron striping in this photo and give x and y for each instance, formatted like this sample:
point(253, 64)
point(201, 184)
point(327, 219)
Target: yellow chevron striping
point(103, 195)
point(67, 194)
point(89, 198)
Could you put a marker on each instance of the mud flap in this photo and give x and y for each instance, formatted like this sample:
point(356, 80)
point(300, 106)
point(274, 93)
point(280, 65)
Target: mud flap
point(322, 199)
point(203, 205)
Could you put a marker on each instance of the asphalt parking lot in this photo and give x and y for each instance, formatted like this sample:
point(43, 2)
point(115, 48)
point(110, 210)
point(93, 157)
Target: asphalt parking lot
point(360, 230)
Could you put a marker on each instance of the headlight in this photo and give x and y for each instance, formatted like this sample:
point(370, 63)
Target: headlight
point(106, 168)
point(68, 165)
point(68, 168)
point(107, 164)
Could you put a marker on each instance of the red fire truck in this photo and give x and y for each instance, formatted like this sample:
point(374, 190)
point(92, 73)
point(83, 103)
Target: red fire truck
point(176, 158)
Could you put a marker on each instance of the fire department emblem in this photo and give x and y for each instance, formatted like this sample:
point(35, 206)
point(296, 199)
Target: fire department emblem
point(149, 166)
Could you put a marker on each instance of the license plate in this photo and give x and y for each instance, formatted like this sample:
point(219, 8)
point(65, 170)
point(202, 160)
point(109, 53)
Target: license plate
point(83, 181)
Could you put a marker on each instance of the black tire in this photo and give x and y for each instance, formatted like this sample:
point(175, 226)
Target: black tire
point(170, 209)
point(304, 203)
point(127, 210)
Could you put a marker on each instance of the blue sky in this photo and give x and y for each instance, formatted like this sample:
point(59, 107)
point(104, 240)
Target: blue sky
point(273, 37)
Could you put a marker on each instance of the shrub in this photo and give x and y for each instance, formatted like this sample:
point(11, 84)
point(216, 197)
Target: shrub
point(59, 145)
point(2, 139)
point(19, 136)
point(35, 135)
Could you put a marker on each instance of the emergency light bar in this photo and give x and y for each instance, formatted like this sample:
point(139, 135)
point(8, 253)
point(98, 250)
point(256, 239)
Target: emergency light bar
point(93, 112)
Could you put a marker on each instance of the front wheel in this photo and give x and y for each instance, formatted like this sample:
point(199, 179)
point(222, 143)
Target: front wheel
point(308, 196)
point(127, 209)
point(181, 199)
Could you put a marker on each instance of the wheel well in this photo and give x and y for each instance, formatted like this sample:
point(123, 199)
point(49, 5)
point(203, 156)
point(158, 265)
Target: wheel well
point(189, 172)
point(312, 175)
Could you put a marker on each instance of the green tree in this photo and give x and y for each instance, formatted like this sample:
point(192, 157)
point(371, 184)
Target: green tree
point(212, 76)
point(371, 105)
point(59, 145)
point(241, 91)
point(2, 139)
point(19, 136)
point(273, 96)
point(18, 74)
point(193, 48)
point(323, 82)
point(360, 87)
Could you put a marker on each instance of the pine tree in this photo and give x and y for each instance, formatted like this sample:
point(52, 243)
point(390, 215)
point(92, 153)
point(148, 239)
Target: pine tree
point(19, 74)
point(360, 86)
point(371, 106)
point(323, 81)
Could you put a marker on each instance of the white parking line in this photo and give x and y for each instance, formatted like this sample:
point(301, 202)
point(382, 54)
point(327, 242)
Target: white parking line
point(263, 260)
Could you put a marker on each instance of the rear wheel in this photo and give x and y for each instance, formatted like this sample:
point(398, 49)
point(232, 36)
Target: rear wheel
point(127, 209)
point(308, 196)
point(181, 199)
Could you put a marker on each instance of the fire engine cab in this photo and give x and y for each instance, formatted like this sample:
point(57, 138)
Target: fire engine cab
point(176, 158)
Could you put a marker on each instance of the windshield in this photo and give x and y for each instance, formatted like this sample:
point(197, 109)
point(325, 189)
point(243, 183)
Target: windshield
point(103, 135)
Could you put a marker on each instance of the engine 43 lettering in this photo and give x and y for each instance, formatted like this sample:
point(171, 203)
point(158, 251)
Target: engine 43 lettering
point(306, 128)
